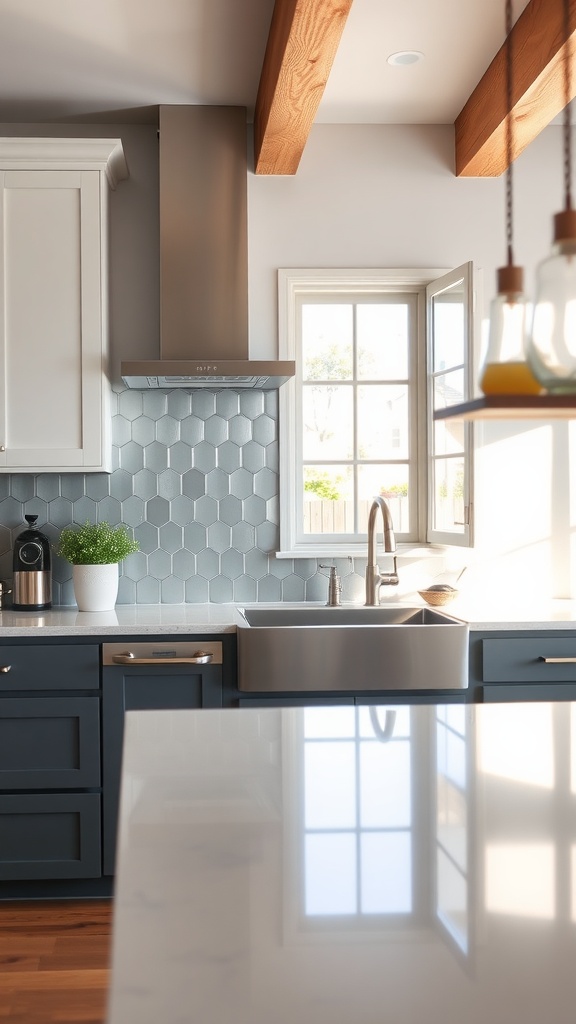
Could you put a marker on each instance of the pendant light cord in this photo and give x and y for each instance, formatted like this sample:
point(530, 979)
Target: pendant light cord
point(567, 99)
point(509, 154)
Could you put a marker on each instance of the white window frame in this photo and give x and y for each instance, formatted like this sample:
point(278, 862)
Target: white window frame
point(294, 283)
point(464, 274)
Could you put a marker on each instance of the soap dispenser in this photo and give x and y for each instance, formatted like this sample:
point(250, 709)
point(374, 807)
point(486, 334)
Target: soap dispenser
point(334, 587)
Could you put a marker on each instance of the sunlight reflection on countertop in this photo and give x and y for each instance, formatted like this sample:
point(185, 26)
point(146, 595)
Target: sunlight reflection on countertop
point(287, 865)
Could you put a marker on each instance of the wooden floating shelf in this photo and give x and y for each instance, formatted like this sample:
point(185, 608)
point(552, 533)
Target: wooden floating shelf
point(513, 407)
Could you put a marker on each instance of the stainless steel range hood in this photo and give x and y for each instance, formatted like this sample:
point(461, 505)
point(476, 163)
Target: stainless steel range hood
point(204, 258)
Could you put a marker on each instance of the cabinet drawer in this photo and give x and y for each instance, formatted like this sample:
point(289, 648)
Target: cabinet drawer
point(62, 667)
point(50, 835)
point(50, 743)
point(522, 660)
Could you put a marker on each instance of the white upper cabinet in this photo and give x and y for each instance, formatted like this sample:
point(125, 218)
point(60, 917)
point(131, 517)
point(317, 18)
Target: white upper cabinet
point(54, 391)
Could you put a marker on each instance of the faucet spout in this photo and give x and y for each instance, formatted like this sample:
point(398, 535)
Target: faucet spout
point(374, 578)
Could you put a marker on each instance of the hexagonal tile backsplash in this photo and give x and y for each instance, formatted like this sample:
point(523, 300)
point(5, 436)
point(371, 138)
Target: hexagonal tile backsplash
point(196, 477)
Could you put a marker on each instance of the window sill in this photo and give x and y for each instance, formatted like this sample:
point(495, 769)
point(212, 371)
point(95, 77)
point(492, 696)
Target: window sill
point(361, 551)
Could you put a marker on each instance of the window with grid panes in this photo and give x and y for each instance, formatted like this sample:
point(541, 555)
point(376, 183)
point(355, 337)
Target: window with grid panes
point(357, 421)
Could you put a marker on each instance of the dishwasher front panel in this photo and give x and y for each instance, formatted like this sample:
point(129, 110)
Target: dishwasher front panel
point(148, 676)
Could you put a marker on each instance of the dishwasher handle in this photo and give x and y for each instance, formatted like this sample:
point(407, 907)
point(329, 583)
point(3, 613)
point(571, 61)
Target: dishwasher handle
point(128, 658)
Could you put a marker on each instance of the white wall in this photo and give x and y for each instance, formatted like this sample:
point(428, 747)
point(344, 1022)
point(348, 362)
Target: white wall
point(366, 196)
point(386, 196)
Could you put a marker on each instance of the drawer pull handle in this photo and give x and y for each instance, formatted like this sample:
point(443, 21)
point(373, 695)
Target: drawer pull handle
point(559, 661)
point(5, 668)
point(200, 658)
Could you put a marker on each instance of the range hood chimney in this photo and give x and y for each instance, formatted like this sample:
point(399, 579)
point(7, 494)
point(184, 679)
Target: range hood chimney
point(204, 258)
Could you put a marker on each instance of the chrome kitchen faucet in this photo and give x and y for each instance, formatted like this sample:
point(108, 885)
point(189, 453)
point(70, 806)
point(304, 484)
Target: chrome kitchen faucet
point(374, 578)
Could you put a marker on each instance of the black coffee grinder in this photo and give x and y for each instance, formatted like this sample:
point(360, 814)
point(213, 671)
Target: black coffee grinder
point(32, 582)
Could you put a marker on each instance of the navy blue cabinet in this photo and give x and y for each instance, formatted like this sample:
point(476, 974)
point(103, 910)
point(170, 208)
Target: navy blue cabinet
point(50, 762)
point(508, 666)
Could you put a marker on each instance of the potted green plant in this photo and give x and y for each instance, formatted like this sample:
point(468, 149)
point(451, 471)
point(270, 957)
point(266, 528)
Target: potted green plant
point(94, 551)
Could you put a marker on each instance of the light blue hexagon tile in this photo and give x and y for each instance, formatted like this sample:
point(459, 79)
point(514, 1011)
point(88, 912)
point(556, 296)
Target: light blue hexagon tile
point(196, 590)
point(22, 487)
point(293, 588)
point(269, 589)
point(245, 589)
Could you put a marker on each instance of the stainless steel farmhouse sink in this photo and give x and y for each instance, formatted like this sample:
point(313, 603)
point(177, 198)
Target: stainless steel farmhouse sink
point(308, 648)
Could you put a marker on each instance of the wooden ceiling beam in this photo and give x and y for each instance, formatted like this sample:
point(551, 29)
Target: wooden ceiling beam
point(539, 49)
point(302, 43)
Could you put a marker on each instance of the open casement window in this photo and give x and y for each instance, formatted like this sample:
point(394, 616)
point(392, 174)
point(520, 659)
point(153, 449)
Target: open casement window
point(355, 421)
point(449, 316)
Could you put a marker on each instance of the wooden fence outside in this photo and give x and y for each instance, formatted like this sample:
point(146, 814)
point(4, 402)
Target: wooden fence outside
point(321, 515)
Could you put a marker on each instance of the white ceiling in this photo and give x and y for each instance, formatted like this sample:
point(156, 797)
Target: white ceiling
point(72, 58)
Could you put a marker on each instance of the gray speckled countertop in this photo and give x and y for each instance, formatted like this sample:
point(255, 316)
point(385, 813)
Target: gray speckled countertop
point(129, 619)
point(141, 620)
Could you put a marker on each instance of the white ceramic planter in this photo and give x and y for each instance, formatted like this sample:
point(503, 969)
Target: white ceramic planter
point(95, 587)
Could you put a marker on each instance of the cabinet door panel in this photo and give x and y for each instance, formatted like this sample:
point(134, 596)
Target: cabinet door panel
point(42, 299)
point(53, 303)
point(53, 835)
point(51, 228)
point(50, 743)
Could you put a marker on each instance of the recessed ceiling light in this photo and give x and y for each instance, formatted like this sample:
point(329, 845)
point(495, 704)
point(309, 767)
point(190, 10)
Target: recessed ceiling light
point(404, 57)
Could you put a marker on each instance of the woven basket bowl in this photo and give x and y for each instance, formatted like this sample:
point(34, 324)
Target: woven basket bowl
point(438, 597)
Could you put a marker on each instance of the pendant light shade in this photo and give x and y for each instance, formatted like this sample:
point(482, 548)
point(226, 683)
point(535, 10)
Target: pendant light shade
point(552, 345)
point(506, 371)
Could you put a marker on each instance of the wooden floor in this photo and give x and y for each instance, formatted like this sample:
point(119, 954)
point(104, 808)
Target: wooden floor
point(54, 959)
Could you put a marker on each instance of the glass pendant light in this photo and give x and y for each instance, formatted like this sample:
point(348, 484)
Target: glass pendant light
point(506, 370)
point(552, 345)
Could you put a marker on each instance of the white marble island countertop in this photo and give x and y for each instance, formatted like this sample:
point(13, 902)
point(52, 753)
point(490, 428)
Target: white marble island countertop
point(286, 865)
